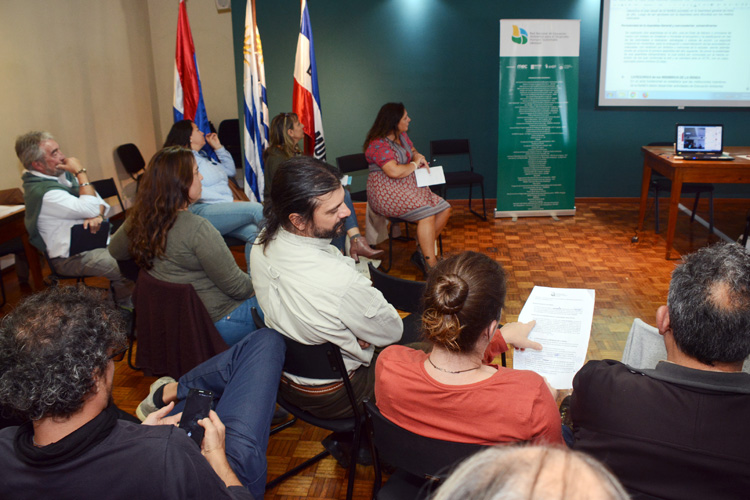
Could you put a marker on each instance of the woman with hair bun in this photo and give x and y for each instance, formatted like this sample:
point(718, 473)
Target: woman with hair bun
point(453, 393)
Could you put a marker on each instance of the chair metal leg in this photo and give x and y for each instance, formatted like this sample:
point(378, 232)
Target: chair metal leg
point(130, 358)
point(353, 461)
point(2, 289)
point(711, 212)
point(377, 483)
point(283, 426)
point(304, 465)
point(483, 215)
point(390, 249)
point(131, 341)
point(484, 207)
point(695, 207)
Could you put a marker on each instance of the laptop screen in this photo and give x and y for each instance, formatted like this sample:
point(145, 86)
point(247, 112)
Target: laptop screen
point(700, 139)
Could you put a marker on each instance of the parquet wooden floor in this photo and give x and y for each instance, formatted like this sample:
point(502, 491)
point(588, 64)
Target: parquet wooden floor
point(589, 250)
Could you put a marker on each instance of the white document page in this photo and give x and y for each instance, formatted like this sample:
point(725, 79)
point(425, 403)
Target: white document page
point(563, 327)
point(435, 176)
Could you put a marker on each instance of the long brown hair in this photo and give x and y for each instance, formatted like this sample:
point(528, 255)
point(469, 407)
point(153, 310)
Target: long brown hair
point(164, 190)
point(278, 136)
point(463, 295)
point(179, 134)
point(386, 122)
point(296, 187)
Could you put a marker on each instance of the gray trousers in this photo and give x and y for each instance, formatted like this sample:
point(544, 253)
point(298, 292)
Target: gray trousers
point(98, 262)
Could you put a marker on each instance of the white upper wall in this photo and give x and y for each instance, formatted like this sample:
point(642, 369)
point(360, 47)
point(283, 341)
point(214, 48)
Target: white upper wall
point(212, 37)
point(97, 74)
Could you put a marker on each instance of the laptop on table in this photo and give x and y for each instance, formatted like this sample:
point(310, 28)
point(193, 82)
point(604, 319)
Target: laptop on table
point(700, 142)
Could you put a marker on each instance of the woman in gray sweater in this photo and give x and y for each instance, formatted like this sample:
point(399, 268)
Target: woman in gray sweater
point(174, 245)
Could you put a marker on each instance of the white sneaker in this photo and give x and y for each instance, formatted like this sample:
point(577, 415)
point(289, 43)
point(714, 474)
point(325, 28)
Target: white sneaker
point(147, 406)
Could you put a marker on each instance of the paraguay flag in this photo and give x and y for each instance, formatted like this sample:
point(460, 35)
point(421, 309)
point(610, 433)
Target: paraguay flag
point(188, 96)
point(306, 97)
point(256, 107)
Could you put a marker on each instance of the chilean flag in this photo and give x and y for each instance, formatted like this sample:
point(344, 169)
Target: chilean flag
point(188, 96)
point(256, 107)
point(306, 97)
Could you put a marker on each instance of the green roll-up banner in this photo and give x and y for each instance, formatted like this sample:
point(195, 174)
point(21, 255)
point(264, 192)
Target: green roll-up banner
point(537, 133)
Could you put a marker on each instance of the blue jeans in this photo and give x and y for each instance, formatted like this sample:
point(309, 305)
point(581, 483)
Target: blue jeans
point(350, 222)
point(238, 323)
point(242, 220)
point(244, 380)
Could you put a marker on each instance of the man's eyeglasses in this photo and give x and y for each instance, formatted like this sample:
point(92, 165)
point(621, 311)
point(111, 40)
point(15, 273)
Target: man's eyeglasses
point(119, 355)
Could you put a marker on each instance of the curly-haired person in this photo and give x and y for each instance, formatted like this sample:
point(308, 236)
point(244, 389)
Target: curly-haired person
point(57, 352)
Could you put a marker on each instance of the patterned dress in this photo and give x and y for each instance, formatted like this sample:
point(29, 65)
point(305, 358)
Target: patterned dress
point(398, 197)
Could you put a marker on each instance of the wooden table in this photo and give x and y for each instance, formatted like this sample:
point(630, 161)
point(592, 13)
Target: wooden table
point(661, 159)
point(12, 226)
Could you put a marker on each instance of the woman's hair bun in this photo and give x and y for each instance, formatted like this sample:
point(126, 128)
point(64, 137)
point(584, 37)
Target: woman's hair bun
point(450, 293)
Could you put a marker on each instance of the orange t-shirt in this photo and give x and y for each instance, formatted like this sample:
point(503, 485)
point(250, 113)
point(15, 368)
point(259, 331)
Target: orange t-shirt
point(512, 405)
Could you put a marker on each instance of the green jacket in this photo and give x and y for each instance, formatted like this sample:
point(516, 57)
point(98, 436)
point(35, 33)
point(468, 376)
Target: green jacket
point(34, 189)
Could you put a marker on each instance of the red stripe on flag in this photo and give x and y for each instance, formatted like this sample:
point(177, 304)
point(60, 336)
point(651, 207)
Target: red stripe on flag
point(302, 106)
point(185, 57)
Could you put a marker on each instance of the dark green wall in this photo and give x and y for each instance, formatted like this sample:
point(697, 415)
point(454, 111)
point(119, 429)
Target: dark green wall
point(440, 58)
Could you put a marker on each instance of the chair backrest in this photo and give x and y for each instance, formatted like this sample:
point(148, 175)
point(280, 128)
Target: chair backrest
point(354, 163)
point(313, 361)
point(131, 159)
point(405, 295)
point(321, 361)
point(229, 136)
point(107, 188)
point(424, 457)
point(450, 147)
point(175, 332)
point(129, 269)
point(259, 323)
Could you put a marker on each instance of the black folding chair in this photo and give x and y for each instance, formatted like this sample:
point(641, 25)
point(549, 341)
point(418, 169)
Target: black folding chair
point(353, 163)
point(421, 462)
point(132, 161)
point(229, 136)
point(404, 295)
point(321, 361)
point(108, 189)
point(458, 148)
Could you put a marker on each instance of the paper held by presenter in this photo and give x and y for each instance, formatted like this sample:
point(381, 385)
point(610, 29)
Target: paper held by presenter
point(433, 177)
point(563, 327)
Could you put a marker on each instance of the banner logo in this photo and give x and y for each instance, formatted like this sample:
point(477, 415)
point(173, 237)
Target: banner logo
point(520, 36)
